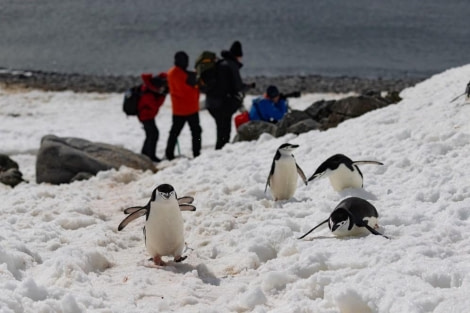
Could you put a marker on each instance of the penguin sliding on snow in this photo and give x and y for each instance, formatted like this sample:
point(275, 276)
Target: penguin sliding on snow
point(164, 226)
point(282, 178)
point(352, 216)
point(342, 172)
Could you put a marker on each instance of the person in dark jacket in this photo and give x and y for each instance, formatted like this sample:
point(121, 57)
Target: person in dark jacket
point(227, 96)
point(184, 104)
point(153, 93)
point(270, 108)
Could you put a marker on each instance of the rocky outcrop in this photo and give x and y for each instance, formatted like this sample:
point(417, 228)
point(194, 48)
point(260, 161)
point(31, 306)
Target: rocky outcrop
point(320, 115)
point(9, 171)
point(63, 160)
point(120, 83)
point(331, 113)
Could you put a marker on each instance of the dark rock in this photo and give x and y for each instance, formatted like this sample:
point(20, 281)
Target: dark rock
point(253, 129)
point(291, 118)
point(320, 110)
point(392, 97)
point(7, 163)
point(81, 176)
point(119, 83)
point(351, 107)
point(9, 171)
point(356, 106)
point(303, 126)
point(61, 160)
point(320, 115)
point(11, 177)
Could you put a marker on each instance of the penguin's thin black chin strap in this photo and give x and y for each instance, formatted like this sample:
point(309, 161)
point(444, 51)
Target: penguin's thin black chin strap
point(313, 228)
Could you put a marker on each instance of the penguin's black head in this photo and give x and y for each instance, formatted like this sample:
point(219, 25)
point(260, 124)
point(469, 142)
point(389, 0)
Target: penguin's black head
point(286, 148)
point(340, 219)
point(164, 191)
point(336, 160)
point(331, 164)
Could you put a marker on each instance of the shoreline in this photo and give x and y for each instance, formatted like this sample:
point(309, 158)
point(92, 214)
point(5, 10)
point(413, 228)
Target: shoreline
point(52, 81)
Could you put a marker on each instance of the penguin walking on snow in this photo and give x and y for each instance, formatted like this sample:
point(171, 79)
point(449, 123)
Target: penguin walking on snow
point(342, 172)
point(282, 178)
point(352, 216)
point(164, 226)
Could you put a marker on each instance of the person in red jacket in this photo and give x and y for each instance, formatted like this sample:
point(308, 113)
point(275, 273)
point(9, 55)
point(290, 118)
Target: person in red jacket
point(184, 103)
point(153, 93)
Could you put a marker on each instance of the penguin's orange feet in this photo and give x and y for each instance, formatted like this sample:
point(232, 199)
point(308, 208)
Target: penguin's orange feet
point(158, 261)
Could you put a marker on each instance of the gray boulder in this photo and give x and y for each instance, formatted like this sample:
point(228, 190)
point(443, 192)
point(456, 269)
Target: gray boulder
point(332, 112)
point(304, 126)
point(321, 115)
point(9, 171)
point(320, 110)
point(291, 118)
point(352, 107)
point(253, 129)
point(63, 160)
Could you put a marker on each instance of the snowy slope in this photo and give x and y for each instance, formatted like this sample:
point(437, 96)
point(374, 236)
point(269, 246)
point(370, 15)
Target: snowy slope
point(61, 251)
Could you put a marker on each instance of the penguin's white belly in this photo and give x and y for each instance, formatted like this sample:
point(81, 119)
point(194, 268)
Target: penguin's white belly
point(357, 231)
point(283, 182)
point(165, 232)
point(342, 178)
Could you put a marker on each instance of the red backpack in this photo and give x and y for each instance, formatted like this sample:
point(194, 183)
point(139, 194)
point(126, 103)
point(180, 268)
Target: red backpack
point(241, 119)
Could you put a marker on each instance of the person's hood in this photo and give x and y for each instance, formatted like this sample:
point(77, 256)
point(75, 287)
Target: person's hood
point(227, 55)
point(154, 83)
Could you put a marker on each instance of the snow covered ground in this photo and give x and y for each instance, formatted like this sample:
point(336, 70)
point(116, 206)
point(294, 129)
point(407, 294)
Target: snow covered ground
point(61, 252)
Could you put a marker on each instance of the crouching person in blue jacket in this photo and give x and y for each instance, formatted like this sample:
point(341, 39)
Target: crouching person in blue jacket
point(270, 108)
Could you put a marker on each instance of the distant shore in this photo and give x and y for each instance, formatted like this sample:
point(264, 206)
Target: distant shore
point(50, 81)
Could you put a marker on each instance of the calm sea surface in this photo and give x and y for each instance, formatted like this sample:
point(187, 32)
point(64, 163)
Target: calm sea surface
point(367, 38)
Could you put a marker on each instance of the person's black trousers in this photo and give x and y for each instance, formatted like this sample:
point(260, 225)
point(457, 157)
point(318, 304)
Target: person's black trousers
point(151, 138)
point(177, 126)
point(223, 122)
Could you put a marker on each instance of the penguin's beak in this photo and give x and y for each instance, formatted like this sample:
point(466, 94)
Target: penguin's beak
point(334, 227)
point(166, 195)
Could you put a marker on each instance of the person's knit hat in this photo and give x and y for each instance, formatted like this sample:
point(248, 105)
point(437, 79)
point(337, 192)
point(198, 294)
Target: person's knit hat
point(181, 59)
point(272, 92)
point(236, 49)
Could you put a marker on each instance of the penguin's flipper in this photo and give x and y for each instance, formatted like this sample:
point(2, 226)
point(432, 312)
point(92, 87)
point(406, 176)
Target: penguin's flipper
point(132, 216)
point(367, 162)
point(373, 231)
point(325, 221)
point(185, 200)
point(301, 174)
point(271, 173)
point(267, 183)
point(187, 207)
point(132, 209)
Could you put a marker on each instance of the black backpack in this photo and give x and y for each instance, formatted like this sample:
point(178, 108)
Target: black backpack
point(131, 100)
point(206, 70)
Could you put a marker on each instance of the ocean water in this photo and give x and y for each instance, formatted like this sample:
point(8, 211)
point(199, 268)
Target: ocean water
point(366, 38)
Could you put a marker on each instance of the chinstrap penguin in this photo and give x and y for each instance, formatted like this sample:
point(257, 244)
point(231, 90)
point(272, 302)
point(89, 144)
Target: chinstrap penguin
point(352, 216)
point(164, 226)
point(282, 178)
point(342, 172)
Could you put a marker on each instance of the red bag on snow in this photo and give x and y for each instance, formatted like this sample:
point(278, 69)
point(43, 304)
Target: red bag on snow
point(241, 118)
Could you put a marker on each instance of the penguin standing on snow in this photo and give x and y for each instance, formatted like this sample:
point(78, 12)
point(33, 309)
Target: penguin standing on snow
point(282, 178)
point(164, 226)
point(342, 172)
point(352, 216)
